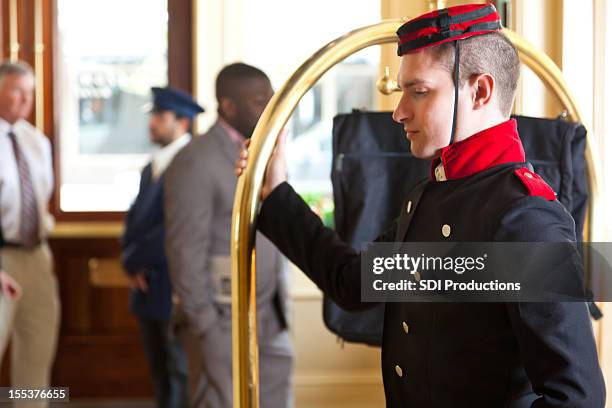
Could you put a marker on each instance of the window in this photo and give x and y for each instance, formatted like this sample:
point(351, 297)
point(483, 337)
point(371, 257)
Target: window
point(586, 53)
point(577, 37)
point(109, 54)
point(350, 84)
point(602, 117)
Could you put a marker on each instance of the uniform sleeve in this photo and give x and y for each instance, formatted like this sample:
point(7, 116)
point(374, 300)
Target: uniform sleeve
point(299, 234)
point(188, 212)
point(555, 339)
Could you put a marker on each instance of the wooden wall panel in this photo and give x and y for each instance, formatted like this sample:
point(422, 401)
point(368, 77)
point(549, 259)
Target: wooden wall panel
point(99, 353)
point(25, 15)
point(4, 29)
point(98, 366)
point(180, 45)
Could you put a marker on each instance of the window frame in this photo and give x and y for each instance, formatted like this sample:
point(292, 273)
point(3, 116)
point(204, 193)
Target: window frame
point(180, 74)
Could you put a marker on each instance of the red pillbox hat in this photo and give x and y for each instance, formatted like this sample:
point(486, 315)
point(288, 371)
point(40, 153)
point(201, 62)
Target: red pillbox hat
point(450, 24)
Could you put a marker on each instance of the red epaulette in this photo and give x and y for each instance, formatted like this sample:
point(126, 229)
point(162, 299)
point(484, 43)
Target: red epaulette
point(536, 186)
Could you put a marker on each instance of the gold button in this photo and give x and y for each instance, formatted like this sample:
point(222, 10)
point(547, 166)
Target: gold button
point(406, 327)
point(408, 207)
point(528, 175)
point(398, 371)
point(417, 276)
point(446, 230)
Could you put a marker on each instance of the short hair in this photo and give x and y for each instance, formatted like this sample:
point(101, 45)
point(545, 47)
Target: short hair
point(15, 68)
point(489, 53)
point(230, 74)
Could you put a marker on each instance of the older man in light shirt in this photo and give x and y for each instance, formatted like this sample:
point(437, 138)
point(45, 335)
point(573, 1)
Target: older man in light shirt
point(26, 183)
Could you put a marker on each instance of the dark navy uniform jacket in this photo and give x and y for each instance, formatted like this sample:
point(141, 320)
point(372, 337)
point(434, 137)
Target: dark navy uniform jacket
point(462, 354)
point(144, 251)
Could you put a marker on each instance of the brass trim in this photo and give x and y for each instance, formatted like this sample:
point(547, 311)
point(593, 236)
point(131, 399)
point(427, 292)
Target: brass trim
point(386, 85)
point(87, 230)
point(39, 71)
point(13, 32)
point(274, 118)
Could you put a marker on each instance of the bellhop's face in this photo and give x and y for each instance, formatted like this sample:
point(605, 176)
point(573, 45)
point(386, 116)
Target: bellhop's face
point(426, 106)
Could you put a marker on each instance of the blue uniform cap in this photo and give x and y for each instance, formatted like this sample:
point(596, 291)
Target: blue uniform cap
point(175, 100)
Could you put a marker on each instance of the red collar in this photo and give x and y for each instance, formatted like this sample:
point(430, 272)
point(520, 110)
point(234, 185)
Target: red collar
point(493, 146)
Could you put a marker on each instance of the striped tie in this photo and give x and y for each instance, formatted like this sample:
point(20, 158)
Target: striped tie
point(29, 223)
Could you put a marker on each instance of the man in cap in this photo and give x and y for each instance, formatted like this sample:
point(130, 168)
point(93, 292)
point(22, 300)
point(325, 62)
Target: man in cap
point(31, 322)
point(199, 196)
point(458, 75)
point(143, 246)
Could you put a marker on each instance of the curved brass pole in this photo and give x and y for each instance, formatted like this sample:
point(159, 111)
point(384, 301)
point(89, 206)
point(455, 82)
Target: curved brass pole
point(246, 202)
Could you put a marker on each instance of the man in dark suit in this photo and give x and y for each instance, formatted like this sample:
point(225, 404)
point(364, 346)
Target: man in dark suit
point(477, 355)
point(144, 256)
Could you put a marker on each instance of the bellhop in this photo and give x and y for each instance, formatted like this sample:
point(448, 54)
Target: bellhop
point(458, 76)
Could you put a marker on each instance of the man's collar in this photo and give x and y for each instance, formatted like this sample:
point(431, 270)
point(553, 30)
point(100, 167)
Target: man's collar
point(180, 141)
point(233, 134)
point(5, 126)
point(162, 157)
point(491, 147)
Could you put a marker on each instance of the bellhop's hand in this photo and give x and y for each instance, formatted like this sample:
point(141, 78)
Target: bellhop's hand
point(276, 170)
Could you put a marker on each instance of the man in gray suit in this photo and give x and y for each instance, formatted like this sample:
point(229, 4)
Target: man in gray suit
point(198, 198)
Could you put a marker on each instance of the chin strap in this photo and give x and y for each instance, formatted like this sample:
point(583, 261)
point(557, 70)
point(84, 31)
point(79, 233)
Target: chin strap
point(456, 81)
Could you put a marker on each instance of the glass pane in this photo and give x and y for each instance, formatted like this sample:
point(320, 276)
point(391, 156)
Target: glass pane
point(110, 53)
